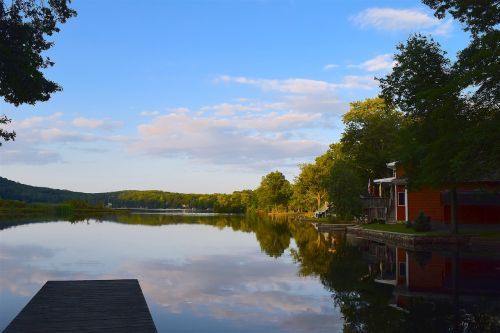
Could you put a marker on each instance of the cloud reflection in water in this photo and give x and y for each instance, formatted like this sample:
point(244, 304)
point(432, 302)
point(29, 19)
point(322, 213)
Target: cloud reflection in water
point(240, 291)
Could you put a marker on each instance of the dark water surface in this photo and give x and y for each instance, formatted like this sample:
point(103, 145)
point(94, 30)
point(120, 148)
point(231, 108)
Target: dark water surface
point(247, 274)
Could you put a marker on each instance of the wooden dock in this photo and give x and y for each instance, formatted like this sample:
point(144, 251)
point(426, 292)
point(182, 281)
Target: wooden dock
point(86, 306)
point(330, 227)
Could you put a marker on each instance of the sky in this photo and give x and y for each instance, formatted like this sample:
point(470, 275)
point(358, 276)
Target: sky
point(205, 96)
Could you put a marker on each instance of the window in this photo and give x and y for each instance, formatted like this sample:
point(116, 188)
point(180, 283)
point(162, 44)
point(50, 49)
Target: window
point(401, 199)
point(402, 269)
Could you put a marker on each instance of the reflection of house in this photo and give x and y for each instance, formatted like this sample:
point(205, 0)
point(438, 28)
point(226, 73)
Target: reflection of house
point(390, 200)
point(432, 275)
point(436, 275)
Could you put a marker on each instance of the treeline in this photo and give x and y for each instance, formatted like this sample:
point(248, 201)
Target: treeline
point(10, 190)
point(71, 210)
point(237, 202)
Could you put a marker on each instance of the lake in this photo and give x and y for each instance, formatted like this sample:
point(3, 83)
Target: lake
point(250, 274)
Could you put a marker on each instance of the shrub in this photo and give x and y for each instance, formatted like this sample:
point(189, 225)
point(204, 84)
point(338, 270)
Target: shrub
point(422, 222)
point(408, 224)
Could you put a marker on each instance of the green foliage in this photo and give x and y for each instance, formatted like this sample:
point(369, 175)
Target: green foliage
point(24, 28)
point(477, 73)
point(274, 192)
point(274, 237)
point(370, 136)
point(419, 82)
point(237, 202)
point(438, 139)
point(311, 185)
point(4, 134)
point(345, 189)
point(422, 223)
point(481, 16)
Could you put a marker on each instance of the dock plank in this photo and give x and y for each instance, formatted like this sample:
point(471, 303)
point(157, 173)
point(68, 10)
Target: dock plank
point(86, 306)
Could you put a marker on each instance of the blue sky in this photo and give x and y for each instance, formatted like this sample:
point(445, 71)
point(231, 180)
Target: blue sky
point(205, 96)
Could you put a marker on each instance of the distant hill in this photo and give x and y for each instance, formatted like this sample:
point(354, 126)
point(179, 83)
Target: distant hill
point(234, 203)
point(11, 190)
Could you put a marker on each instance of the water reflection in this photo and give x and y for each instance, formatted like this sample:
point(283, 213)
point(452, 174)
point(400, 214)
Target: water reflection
point(445, 291)
point(226, 273)
point(249, 274)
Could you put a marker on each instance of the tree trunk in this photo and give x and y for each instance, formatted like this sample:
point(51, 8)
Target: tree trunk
point(454, 210)
point(318, 198)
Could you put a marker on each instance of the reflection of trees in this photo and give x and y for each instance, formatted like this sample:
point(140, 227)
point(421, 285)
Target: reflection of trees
point(363, 303)
point(273, 237)
point(312, 250)
point(341, 269)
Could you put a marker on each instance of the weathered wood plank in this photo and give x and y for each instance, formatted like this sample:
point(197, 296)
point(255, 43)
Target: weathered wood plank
point(85, 306)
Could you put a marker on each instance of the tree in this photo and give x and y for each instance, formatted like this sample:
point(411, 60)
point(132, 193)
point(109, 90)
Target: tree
point(4, 134)
point(312, 182)
point(370, 137)
point(480, 16)
point(274, 190)
point(477, 78)
point(345, 189)
point(24, 28)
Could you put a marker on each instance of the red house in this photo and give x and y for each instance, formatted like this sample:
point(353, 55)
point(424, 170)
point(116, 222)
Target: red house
point(390, 200)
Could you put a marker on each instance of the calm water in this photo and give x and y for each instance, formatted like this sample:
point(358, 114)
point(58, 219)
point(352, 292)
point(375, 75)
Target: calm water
point(237, 274)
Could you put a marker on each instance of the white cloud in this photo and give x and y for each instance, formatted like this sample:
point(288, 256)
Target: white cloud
point(15, 153)
point(392, 19)
point(250, 133)
point(359, 82)
point(62, 135)
point(149, 113)
point(444, 29)
point(328, 67)
point(326, 104)
point(274, 121)
point(383, 62)
point(275, 297)
point(229, 109)
point(292, 85)
point(39, 138)
point(301, 86)
point(250, 142)
point(95, 123)
point(37, 121)
point(181, 110)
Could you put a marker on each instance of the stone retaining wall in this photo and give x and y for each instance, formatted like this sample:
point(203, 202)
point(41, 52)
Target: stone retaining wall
point(408, 240)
